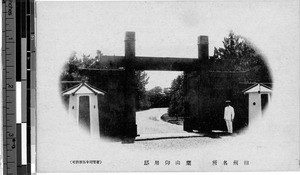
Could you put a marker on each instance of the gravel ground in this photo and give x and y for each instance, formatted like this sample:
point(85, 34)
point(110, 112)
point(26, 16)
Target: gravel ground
point(149, 122)
point(174, 143)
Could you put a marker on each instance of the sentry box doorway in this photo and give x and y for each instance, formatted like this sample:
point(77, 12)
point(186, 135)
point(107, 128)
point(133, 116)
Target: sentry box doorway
point(83, 105)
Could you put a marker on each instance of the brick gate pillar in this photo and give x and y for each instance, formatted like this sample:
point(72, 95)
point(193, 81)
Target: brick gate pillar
point(129, 122)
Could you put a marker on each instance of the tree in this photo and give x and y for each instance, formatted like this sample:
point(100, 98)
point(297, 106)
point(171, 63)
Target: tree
point(72, 72)
point(158, 97)
point(71, 69)
point(237, 54)
point(155, 96)
point(176, 107)
point(142, 101)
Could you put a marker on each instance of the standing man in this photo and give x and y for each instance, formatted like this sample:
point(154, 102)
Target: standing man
point(229, 116)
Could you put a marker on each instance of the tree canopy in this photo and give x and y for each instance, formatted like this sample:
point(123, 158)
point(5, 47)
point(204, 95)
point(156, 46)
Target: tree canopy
point(176, 107)
point(71, 73)
point(142, 101)
point(236, 56)
point(158, 97)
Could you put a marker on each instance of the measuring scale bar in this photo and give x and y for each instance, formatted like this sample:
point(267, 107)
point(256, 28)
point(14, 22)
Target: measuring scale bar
point(17, 47)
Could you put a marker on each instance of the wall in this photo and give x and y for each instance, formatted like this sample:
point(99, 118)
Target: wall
point(206, 93)
point(112, 104)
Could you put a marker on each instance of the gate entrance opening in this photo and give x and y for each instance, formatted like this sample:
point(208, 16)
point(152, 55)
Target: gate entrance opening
point(152, 117)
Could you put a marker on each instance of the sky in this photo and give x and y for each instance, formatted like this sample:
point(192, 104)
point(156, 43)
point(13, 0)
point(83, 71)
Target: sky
point(162, 28)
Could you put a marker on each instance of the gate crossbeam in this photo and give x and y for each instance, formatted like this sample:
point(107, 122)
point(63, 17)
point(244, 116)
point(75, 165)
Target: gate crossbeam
point(152, 63)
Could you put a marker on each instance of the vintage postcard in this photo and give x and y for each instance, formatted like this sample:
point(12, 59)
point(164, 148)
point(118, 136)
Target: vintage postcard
point(167, 86)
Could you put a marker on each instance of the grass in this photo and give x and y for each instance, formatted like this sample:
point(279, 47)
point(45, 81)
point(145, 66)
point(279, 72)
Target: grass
point(172, 120)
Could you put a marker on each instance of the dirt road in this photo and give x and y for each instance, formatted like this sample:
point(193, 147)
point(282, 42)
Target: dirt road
point(149, 122)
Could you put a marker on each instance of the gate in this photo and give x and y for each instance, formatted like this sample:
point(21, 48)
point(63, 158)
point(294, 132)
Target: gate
point(117, 108)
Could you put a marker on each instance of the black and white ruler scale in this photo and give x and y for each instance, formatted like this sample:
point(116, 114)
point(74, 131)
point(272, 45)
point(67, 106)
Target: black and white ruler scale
point(18, 65)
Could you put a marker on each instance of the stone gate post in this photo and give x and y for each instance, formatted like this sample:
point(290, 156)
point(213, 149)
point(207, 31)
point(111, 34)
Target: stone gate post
point(195, 82)
point(129, 122)
point(204, 120)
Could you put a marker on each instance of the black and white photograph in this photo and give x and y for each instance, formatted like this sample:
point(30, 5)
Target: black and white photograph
point(167, 86)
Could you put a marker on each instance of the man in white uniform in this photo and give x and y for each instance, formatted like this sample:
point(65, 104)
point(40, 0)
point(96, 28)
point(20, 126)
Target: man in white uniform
point(229, 116)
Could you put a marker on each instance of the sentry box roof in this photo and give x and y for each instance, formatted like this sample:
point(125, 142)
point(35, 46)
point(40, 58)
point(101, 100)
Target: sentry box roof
point(82, 88)
point(258, 88)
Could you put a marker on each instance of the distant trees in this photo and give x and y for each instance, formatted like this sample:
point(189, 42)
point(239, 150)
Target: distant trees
point(158, 97)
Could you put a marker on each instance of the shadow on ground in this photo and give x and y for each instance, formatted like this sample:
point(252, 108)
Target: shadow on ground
point(216, 135)
point(213, 135)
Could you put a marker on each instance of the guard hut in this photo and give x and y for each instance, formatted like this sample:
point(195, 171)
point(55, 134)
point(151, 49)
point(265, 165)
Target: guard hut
point(259, 96)
point(83, 106)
